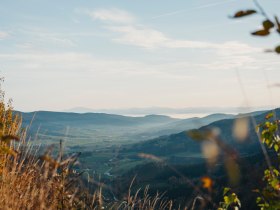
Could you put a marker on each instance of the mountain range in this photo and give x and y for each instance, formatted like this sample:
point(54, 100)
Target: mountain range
point(89, 128)
point(166, 110)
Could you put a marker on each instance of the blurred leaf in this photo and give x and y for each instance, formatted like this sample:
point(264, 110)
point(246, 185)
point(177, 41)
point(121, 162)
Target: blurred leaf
point(269, 115)
point(259, 199)
point(256, 190)
point(277, 49)
point(241, 128)
point(233, 171)
point(205, 134)
point(276, 147)
point(262, 32)
point(227, 200)
point(243, 13)
point(278, 24)
point(267, 24)
point(207, 183)
point(210, 150)
point(197, 135)
point(226, 190)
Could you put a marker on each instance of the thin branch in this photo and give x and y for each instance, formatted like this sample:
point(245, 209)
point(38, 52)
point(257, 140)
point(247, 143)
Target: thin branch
point(260, 8)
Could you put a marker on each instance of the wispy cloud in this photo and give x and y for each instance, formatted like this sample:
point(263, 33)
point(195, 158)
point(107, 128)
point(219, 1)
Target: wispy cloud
point(4, 35)
point(151, 39)
point(110, 15)
point(234, 61)
point(192, 9)
point(139, 36)
point(129, 32)
point(62, 63)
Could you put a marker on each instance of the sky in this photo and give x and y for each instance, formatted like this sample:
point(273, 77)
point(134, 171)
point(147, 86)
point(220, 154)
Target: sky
point(56, 55)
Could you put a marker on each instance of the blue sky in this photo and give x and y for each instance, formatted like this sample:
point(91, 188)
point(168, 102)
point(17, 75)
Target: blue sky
point(105, 54)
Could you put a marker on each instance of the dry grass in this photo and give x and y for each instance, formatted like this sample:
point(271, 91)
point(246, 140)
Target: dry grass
point(144, 202)
point(28, 181)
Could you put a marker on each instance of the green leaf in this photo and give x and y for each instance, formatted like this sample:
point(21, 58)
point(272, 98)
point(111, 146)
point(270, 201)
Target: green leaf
point(227, 200)
point(276, 147)
point(276, 172)
point(243, 13)
point(226, 190)
point(269, 115)
point(274, 183)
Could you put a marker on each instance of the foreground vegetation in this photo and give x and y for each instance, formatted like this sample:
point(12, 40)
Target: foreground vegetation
point(32, 182)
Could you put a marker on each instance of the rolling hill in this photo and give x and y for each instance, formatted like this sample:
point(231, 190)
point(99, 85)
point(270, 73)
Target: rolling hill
point(181, 148)
point(95, 128)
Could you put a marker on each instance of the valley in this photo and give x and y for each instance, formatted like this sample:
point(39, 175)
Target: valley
point(157, 150)
point(112, 143)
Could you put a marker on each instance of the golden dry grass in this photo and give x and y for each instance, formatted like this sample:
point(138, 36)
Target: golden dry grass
point(28, 181)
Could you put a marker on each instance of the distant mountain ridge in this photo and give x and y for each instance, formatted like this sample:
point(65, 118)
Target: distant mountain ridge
point(93, 127)
point(166, 110)
point(92, 118)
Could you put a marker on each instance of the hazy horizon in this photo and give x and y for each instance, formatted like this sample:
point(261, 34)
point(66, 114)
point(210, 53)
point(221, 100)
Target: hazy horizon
point(181, 113)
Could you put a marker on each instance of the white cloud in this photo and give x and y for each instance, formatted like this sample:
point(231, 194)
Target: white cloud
point(192, 9)
point(79, 63)
point(111, 15)
point(139, 36)
point(232, 62)
point(56, 39)
point(3, 35)
point(151, 39)
point(131, 33)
